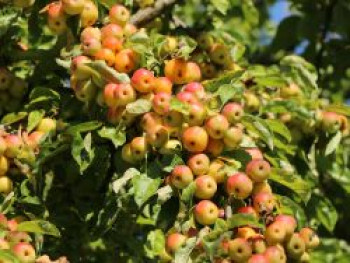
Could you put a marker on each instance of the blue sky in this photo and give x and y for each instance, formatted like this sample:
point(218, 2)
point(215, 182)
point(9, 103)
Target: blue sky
point(279, 11)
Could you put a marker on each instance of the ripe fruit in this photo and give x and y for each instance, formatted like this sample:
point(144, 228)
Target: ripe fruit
point(252, 102)
point(4, 165)
point(330, 122)
point(305, 258)
point(239, 185)
point(181, 176)
point(239, 249)
point(216, 126)
point(4, 244)
point(90, 32)
point(215, 147)
point(15, 237)
point(193, 72)
point(119, 15)
point(6, 79)
point(255, 153)
point(91, 46)
point(127, 154)
point(12, 225)
point(258, 258)
point(290, 91)
point(195, 139)
point(310, 238)
point(289, 222)
point(295, 246)
point(89, 15)
point(206, 212)
point(258, 244)
point(196, 114)
point(246, 232)
point(112, 30)
point(157, 136)
point(112, 43)
point(174, 118)
point(247, 210)
point(262, 187)
point(143, 80)
point(169, 45)
point(275, 233)
point(263, 202)
point(161, 103)
point(14, 144)
point(116, 95)
point(174, 242)
point(73, 7)
point(150, 120)
point(125, 61)
point(106, 55)
point(138, 148)
point(24, 252)
point(57, 20)
point(233, 112)
point(162, 84)
point(199, 163)
point(217, 171)
point(3, 221)
point(205, 187)
point(129, 29)
point(275, 254)
point(205, 41)
point(220, 54)
point(233, 137)
point(46, 125)
point(195, 88)
point(187, 97)
point(258, 170)
point(6, 185)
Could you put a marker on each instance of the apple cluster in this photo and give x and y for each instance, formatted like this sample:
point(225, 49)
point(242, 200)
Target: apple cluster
point(20, 145)
point(12, 91)
point(59, 11)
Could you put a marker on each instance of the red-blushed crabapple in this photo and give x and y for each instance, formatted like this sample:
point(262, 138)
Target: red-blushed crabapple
point(14, 143)
point(15, 237)
point(106, 55)
point(239, 185)
point(215, 147)
point(125, 61)
point(117, 115)
point(305, 258)
point(181, 176)
point(246, 232)
point(35, 138)
point(196, 88)
point(252, 102)
point(171, 147)
point(233, 112)
point(233, 137)
point(3, 221)
point(205, 187)
point(143, 80)
point(192, 73)
point(220, 54)
point(46, 125)
point(6, 79)
point(4, 244)
point(161, 103)
point(57, 19)
point(175, 70)
point(4, 165)
point(163, 84)
point(73, 7)
point(195, 139)
point(175, 241)
point(330, 121)
point(199, 163)
point(127, 155)
point(129, 29)
point(258, 258)
point(295, 246)
point(112, 43)
point(310, 238)
point(275, 233)
point(239, 250)
point(262, 187)
point(258, 170)
point(289, 222)
point(187, 97)
point(90, 32)
point(119, 15)
point(217, 171)
point(79, 67)
point(206, 212)
point(169, 46)
point(24, 252)
point(290, 91)
point(89, 15)
point(275, 255)
point(196, 115)
point(264, 202)
point(216, 126)
point(116, 95)
point(91, 46)
point(150, 120)
point(255, 153)
point(205, 41)
point(12, 225)
point(157, 136)
point(247, 210)
point(174, 118)
point(6, 185)
point(138, 147)
point(258, 244)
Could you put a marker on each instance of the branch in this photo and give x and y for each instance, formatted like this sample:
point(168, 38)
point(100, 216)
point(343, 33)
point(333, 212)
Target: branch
point(146, 15)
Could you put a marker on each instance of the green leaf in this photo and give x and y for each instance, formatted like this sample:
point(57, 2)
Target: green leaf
point(326, 213)
point(118, 184)
point(8, 256)
point(155, 243)
point(228, 91)
point(340, 109)
point(259, 127)
point(182, 255)
point(13, 117)
point(251, 14)
point(83, 127)
point(144, 188)
point(116, 135)
point(221, 5)
point(34, 118)
point(138, 107)
point(82, 152)
point(226, 78)
point(290, 207)
point(291, 181)
point(278, 127)
point(7, 16)
point(39, 227)
point(331, 250)
point(333, 143)
point(179, 106)
point(188, 193)
point(170, 161)
point(238, 220)
point(108, 73)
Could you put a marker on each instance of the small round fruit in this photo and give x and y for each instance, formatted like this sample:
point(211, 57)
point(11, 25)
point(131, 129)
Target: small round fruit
point(215, 147)
point(205, 187)
point(216, 126)
point(24, 252)
point(161, 103)
point(252, 102)
point(295, 246)
point(112, 43)
point(258, 170)
point(91, 46)
point(116, 95)
point(4, 165)
point(143, 80)
point(239, 185)
point(162, 84)
point(290, 91)
point(246, 232)
point(195, 139)
point(181, 176)
point(199, 163)
point(73, 7)
point(89, 15)
point(174, 242)
point(305, 258)
point(262, 187)
point(255, 153)
point(264, 202)
point(247, 210)
point(233, 137)
point(150, 120)
point(196, 88)
point(259, 244)
point(258, 258)
point(112, 30)
point(206, 212)
point(125, 61)
point(119, 15)
point(14, 144)
point(46, 125)
point(138, 147)
point(330, 121)
point(239, 249)
point(4, 244)
point(3, 145)
point(275, 233)
point(57, 19)
point(90, 32)
point(6, 185)
point(129, 29)
point(187, 97)
point(15, 237)
point(127, 154)
point(233, 112)
point(275, 255)
point(217, 171)
point(220, 54)
point(174, 118)
point(310, 238)
point(289, 222)
point(196, 115)
point(157, 136)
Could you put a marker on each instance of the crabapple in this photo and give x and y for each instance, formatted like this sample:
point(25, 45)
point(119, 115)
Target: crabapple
point(258, 244)
point(57, 19)
point(24, 252)
point(275, 255)
point(205, 41)
point(216, 126)
point(246, 232)
point(162, 84)
point(195, 139)
point(239, 185)
point(91, 46)
point(4, 165)
point(175, 241)
point(161, 103)
point(217, 170)
point(90, 32)
point(150, 120)
point(125, 61)
point(247, 210)
point(89, 15)
point(143, 80)
point(3, 221)
point(258, 170)
point(119, 94)
point(264, 202)
point(196, 115)
point(192, 73)
point(181, 176)
point(275, 233)
point(187, 97)
point(157, 136)
point(106, 55)
point(174, 118)
point(220, 54)
point(258, 258)
point(290, 91)
point(262, 187)
point(206, 212)
point(171, 147)
point(252, 102)
point(14, 144)
point(295, 246)
point(138, 148)
point(330, 121)
point(310, 238)
point(215, 147)
point(255, 153)
point(196, 88)
point(12, 225)
point(289, 222)
point(73, 7)
point(205, 187)
point(15, 237)
point(199, 163)
point(6, 185)
point(127, 154)
point(233, 137)
point(119, 15)
point(129, 29)
point(239, 249)
point(112, 43)
point(169, 45)
point(4, 244)
point(46, 125)
point(233, 112)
